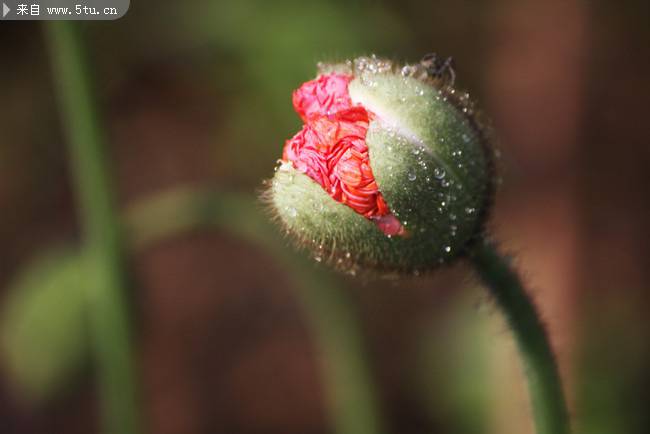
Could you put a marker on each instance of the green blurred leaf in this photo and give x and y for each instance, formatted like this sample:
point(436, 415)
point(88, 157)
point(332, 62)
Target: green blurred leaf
point(44, 339)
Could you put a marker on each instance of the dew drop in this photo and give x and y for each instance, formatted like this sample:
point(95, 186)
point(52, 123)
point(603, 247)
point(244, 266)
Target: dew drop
point(412, 176)
point(439, 172)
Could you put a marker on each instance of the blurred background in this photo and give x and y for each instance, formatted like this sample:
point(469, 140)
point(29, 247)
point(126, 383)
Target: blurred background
point(196, 94)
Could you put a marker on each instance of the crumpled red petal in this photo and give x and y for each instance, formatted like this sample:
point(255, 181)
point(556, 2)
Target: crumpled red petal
point(323, 96)
point(331, 148)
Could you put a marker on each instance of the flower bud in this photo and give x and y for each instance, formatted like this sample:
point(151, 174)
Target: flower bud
point(390, 172)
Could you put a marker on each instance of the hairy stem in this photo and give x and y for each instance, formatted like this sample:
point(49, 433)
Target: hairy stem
point(108, 312)
point(544, 385)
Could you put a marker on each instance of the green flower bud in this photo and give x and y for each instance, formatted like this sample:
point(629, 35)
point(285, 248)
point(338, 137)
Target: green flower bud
point(391, 172)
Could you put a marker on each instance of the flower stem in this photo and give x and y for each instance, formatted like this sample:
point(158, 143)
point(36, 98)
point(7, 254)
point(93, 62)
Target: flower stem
point(108, 313)
point(544, 385)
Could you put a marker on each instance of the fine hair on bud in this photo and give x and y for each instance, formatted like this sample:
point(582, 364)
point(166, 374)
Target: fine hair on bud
point(392, 171)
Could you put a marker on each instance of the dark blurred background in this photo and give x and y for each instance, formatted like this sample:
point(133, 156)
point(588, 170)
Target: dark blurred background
point(197, 93)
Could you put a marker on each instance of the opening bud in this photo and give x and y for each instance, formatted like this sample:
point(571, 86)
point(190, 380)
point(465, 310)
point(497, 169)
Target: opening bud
point(391, 170)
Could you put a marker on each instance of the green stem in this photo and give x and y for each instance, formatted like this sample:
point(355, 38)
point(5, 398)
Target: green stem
point(108, 315)
point(348, 386)
point(544, 385)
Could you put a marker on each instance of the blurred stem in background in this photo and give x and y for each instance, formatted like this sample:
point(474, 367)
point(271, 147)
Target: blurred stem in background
point(108, 312)
point(544, 385)
point(350, 395)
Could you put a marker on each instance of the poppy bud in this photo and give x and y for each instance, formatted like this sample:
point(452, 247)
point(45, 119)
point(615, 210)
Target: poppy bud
point(390, 171)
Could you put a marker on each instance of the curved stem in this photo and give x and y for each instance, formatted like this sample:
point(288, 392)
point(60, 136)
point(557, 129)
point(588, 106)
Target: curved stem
point(544, 385)
point(110, 327)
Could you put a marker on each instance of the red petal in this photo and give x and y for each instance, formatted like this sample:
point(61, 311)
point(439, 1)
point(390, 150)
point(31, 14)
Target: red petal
point(326, 95)
point(331, 148)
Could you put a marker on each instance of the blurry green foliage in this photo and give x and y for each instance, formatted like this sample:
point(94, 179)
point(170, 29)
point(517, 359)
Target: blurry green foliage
point(349, 390)
point(454, 366)
point(44, 339)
